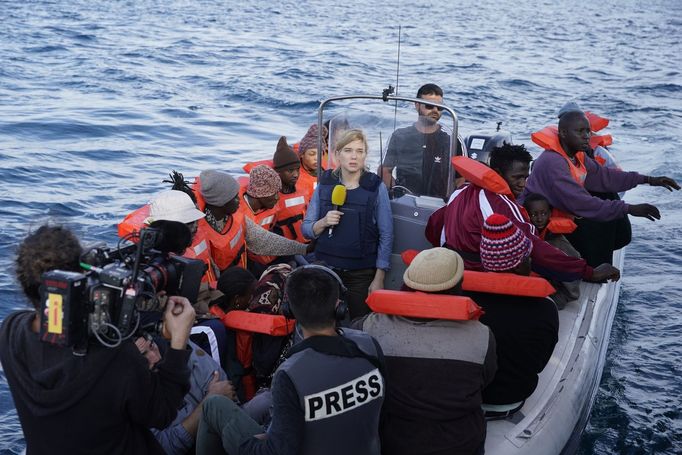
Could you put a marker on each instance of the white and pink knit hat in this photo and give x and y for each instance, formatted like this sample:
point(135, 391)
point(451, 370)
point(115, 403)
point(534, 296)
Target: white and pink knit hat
point(503, 245)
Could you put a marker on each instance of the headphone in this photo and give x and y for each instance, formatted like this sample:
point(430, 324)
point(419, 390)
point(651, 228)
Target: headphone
point(341, 309)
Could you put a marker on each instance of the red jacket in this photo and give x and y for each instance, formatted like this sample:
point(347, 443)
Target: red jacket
point(458, 227)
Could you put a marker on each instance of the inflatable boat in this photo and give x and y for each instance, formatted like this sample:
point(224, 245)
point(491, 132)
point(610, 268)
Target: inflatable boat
point(552, 419)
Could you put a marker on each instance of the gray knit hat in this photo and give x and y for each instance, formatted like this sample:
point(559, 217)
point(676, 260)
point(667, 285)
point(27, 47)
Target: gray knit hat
point(571, 106)
point(218, 188)
point(434, 270)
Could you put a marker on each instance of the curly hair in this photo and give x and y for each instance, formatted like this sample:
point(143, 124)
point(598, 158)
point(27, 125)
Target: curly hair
point(503, 156)
point(48, 248)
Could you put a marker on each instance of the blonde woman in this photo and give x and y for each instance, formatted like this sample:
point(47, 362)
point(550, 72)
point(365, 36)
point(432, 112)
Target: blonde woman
point(355, 239)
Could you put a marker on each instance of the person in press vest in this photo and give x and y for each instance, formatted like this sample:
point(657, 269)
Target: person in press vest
point(327, 395)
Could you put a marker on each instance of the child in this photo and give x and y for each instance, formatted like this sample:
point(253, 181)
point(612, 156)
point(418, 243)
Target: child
point(540, 211)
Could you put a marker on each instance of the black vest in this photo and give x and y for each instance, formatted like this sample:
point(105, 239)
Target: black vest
point(340, 396)
point(355, 240)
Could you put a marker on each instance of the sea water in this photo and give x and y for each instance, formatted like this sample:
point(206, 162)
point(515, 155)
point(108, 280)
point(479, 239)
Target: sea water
point(99, 100)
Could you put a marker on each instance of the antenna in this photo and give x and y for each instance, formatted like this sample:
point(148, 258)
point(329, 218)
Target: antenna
point(397, 78)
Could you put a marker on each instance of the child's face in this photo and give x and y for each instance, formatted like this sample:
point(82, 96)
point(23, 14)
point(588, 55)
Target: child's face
point(539, 212)
point(309, 160)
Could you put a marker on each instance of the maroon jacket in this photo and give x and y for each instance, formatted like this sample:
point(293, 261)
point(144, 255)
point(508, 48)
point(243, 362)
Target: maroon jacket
point(458, 226)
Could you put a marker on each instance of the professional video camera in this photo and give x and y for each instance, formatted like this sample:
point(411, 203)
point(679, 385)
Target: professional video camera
point(105, 301)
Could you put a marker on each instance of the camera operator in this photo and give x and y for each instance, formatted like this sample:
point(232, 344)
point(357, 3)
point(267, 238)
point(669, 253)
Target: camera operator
point(101, 402)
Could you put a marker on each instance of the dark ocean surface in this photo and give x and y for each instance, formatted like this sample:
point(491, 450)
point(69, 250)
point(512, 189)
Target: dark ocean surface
point(99, 100)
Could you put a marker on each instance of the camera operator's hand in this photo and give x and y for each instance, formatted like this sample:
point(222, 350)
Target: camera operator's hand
point(218, 387)
point(178, 320)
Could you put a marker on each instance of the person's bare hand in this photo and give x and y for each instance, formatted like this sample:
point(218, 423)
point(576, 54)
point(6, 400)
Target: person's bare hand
point(332, 218)
point(665, 182)
point(604, 272)
point(178, 320)
point(224, 387)
point(648, 211)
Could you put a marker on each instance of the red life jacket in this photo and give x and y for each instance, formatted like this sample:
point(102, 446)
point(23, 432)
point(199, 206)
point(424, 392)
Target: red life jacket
point(199, 249)
point(264, 218)
point(424, 305)
point(228, 247)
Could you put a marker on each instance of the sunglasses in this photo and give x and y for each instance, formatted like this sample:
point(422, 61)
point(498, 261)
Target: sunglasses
point(428, 107)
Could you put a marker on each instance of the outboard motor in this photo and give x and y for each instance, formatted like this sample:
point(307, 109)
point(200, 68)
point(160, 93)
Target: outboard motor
point(479, 144)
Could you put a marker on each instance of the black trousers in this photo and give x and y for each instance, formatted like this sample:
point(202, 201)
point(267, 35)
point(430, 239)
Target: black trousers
point(357, 282)
point(597, 240)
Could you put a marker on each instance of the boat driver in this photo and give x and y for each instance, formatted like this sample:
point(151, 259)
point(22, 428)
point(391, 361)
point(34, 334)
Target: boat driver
point(420, 153)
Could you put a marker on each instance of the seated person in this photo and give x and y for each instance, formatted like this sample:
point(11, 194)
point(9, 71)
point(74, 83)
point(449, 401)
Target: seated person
point(458, 225)
point(565, 175)
point(327, 395)
point(438, 368)
point(539, 212)
point(420, 153)
point(307, 151)
point(237, 286)
point(206, 378)
point(293, 200)
point(525, 328)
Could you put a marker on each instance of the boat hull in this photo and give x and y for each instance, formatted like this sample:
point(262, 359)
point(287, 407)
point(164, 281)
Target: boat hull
point(554, 416)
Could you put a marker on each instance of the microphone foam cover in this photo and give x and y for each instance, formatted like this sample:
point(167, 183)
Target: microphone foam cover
point(339, 195)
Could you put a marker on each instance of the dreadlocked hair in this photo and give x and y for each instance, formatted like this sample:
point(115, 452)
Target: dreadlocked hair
point(180, 184)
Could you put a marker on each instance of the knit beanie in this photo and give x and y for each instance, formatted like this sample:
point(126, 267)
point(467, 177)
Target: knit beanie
point(218, 188)
point(309, 141)
point(503, 245)
point(434, 270)
point(284, 155)
point(263, 182)
point(571, 106)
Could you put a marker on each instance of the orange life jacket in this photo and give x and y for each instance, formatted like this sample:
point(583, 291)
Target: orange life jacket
point(306, 183)
point(559, 224)
point(498, 283)
point(199, 249)
point(290, 213)
point(248, 166)
point(485, 177)
point(548, 138)
point(600, 140)
point(228, 248)
point(264, 218)
point(424, 305)
point(290, 210)
point(597, 123)
point(506, 283)
point(481, 175)
point(245, 324)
